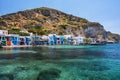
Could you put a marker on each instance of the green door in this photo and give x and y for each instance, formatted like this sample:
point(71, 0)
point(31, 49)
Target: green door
point(3, 43)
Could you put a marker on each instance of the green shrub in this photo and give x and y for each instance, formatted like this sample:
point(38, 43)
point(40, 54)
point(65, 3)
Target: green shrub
point(63, 26)
point(72, 23)
point(61, 33)
point(83, 21)
point(14, 31)
point(24, 34)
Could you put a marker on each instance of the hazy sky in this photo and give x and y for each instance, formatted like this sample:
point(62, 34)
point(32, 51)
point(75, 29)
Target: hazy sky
point(106, 12)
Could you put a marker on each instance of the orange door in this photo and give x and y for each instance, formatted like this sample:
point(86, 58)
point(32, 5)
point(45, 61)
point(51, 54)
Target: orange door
point(8, 43)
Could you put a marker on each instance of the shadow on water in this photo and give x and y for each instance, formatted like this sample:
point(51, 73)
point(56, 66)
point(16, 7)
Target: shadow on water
point(82, 53)
point(56, 53)
point(13, 53)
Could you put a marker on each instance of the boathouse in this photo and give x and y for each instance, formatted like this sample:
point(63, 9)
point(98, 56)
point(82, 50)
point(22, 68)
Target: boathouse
point(15, 39)
point(3, 39)
point(8, 40)
point(67, 39)
point(62, 40)
point(52, 39)
point(22, 40)
point(3, 34)
point(28, 40)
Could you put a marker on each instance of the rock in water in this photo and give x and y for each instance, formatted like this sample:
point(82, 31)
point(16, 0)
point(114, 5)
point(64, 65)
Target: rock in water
point(6, 77)
point(50, 74)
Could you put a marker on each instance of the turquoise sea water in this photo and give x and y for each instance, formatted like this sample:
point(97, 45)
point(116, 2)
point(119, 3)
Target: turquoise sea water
point(61, 63)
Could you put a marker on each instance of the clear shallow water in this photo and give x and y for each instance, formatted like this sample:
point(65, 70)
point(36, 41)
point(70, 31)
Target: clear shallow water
point(61, 63)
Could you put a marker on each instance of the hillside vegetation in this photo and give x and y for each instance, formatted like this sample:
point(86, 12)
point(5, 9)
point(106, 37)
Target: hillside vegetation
point(44, 20)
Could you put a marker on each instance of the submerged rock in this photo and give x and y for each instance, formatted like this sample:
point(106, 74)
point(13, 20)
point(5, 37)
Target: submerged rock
point(50, 74)
point(99, 67)
point(6, 77)
point(20, 68)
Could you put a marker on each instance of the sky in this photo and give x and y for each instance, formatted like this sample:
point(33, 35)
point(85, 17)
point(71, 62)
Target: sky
point(106, 12)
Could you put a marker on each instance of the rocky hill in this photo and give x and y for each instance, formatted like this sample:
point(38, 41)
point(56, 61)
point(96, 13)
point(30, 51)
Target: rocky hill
point(46, 20)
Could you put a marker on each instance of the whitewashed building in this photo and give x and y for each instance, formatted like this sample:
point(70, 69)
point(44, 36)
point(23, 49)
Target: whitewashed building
point(4, 32)
point(78, 40)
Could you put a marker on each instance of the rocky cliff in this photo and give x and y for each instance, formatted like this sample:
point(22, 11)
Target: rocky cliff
point(46, 20)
